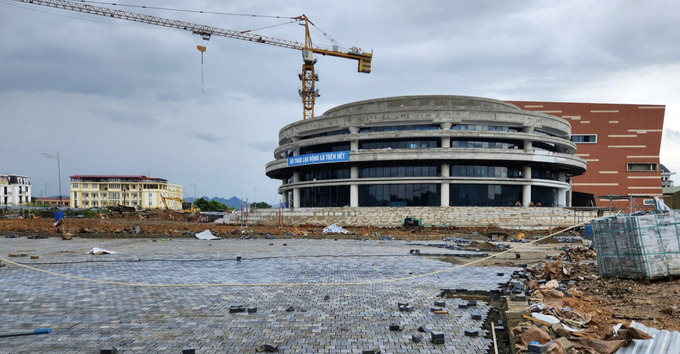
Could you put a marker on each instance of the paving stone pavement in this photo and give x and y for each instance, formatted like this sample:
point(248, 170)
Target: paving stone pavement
point(344, 295)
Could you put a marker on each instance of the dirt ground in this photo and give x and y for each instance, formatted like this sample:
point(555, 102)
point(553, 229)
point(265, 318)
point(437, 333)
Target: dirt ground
point(608, 300)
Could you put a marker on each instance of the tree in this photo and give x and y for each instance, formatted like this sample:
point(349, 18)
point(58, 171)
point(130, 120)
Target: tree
point(260, 205)
point(211, 205)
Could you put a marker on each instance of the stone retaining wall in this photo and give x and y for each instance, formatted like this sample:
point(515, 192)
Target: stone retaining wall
point(510, 218)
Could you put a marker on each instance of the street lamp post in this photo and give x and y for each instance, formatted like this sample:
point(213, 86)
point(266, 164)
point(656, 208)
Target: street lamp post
point(56, 157)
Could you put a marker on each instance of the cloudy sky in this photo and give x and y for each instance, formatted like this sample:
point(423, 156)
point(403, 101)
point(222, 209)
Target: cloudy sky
point(116, 97)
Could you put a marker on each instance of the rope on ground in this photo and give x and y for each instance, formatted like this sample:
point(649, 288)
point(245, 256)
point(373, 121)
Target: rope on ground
point(368, 282)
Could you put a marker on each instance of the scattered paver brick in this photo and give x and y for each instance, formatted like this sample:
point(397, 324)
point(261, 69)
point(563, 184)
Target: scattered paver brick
point(364, 278)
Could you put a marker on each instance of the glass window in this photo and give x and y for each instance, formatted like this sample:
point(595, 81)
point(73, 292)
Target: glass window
point(399, 195)
point(642, 166)
point(330, 196)
point(584, 138)
point(484, 195)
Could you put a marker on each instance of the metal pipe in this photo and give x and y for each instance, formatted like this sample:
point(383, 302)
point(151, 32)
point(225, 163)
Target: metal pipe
point(23, 333)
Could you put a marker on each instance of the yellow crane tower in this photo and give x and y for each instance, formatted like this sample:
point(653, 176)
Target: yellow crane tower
point(308, 77)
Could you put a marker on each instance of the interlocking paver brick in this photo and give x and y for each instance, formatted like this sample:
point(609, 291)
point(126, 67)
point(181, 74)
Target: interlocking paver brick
point(343, 296)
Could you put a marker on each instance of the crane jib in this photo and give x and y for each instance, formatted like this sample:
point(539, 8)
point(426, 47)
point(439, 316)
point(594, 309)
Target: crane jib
point(308, 92)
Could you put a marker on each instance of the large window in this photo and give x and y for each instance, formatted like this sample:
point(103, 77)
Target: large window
point(642, 166)
point(470, 144)
point(484, 195)
point(321, 197)
point(543, 196)
point(537, 173)
point(485, 171)
point(399, 171)
point(331, 133)
point(400, 128)
point(399, 195)
point(318, 175)
point(537, 145)
point(400, 144)
point(493, 128)
point(324, 148)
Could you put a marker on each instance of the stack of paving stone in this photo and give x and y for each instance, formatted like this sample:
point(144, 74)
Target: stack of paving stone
point(641, 245)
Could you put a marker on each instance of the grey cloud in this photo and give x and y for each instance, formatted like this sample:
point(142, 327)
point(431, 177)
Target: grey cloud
point(209, 138)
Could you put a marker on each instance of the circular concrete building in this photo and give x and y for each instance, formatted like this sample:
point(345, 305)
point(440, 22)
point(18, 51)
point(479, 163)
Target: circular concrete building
point(426, 151)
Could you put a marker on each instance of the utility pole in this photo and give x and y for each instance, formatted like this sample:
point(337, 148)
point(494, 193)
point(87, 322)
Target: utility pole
point(56, 157)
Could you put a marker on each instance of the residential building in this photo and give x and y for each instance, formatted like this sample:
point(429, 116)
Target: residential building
point(95, 191)
point(14, 190)
point(53, 202)
point(619, 142)
point(666, 174)
point(426, 151)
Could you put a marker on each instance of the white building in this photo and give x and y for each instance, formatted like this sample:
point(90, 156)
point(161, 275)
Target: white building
point(666, 174)
point(14, 190)
point(96, 191)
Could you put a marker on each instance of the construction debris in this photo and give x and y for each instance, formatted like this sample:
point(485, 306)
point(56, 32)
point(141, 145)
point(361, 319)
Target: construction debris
point(561, 318)
point(98, 251)
point(206, 235)
point(334, 229)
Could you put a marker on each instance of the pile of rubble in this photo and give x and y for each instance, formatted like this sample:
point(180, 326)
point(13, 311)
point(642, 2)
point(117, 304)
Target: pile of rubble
point(559, 319)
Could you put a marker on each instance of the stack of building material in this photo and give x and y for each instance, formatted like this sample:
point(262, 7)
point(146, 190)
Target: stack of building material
point(640, 245)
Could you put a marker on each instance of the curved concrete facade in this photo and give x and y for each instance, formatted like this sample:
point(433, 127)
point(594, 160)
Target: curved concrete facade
point(426, 151)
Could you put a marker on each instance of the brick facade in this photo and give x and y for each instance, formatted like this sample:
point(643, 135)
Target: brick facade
point(628, 138)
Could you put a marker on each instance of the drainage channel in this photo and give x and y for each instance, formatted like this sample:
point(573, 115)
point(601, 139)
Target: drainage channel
point(502, 316)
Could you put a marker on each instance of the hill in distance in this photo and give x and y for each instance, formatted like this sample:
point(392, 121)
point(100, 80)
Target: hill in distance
point(233, 202)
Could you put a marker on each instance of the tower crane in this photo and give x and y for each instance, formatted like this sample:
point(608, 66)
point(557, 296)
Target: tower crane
point(308, 77)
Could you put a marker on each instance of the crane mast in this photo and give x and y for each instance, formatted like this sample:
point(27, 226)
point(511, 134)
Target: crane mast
point(308, 77)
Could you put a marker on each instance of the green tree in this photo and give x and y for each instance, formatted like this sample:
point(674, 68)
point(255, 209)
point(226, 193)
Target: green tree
point(260, 205)
point(211, 205)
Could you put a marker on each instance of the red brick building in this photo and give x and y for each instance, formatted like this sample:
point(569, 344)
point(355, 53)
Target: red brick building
point(621, 144)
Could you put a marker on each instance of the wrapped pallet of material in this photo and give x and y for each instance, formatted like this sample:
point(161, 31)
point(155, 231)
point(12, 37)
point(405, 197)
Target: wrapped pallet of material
point(641, 245)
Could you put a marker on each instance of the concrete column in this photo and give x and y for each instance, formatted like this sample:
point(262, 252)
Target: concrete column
point(296, 191)
point(296, 150)
point(563, 193)
point(445, 194)
point(354, 195)
point(526, 188)
point(526, 195)
point(562, 197)
point(296, 198)
point(284, 194)
point(445, 185)
point(354, 187)
point(527, 143)
point(446, 141)
point(569, 195)
point(353, 143)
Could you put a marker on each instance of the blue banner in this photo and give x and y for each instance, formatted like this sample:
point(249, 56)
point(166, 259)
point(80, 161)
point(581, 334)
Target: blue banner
point(321, 157)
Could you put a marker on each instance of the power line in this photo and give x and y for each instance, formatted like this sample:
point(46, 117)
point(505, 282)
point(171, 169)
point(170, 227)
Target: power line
point(182, 10)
